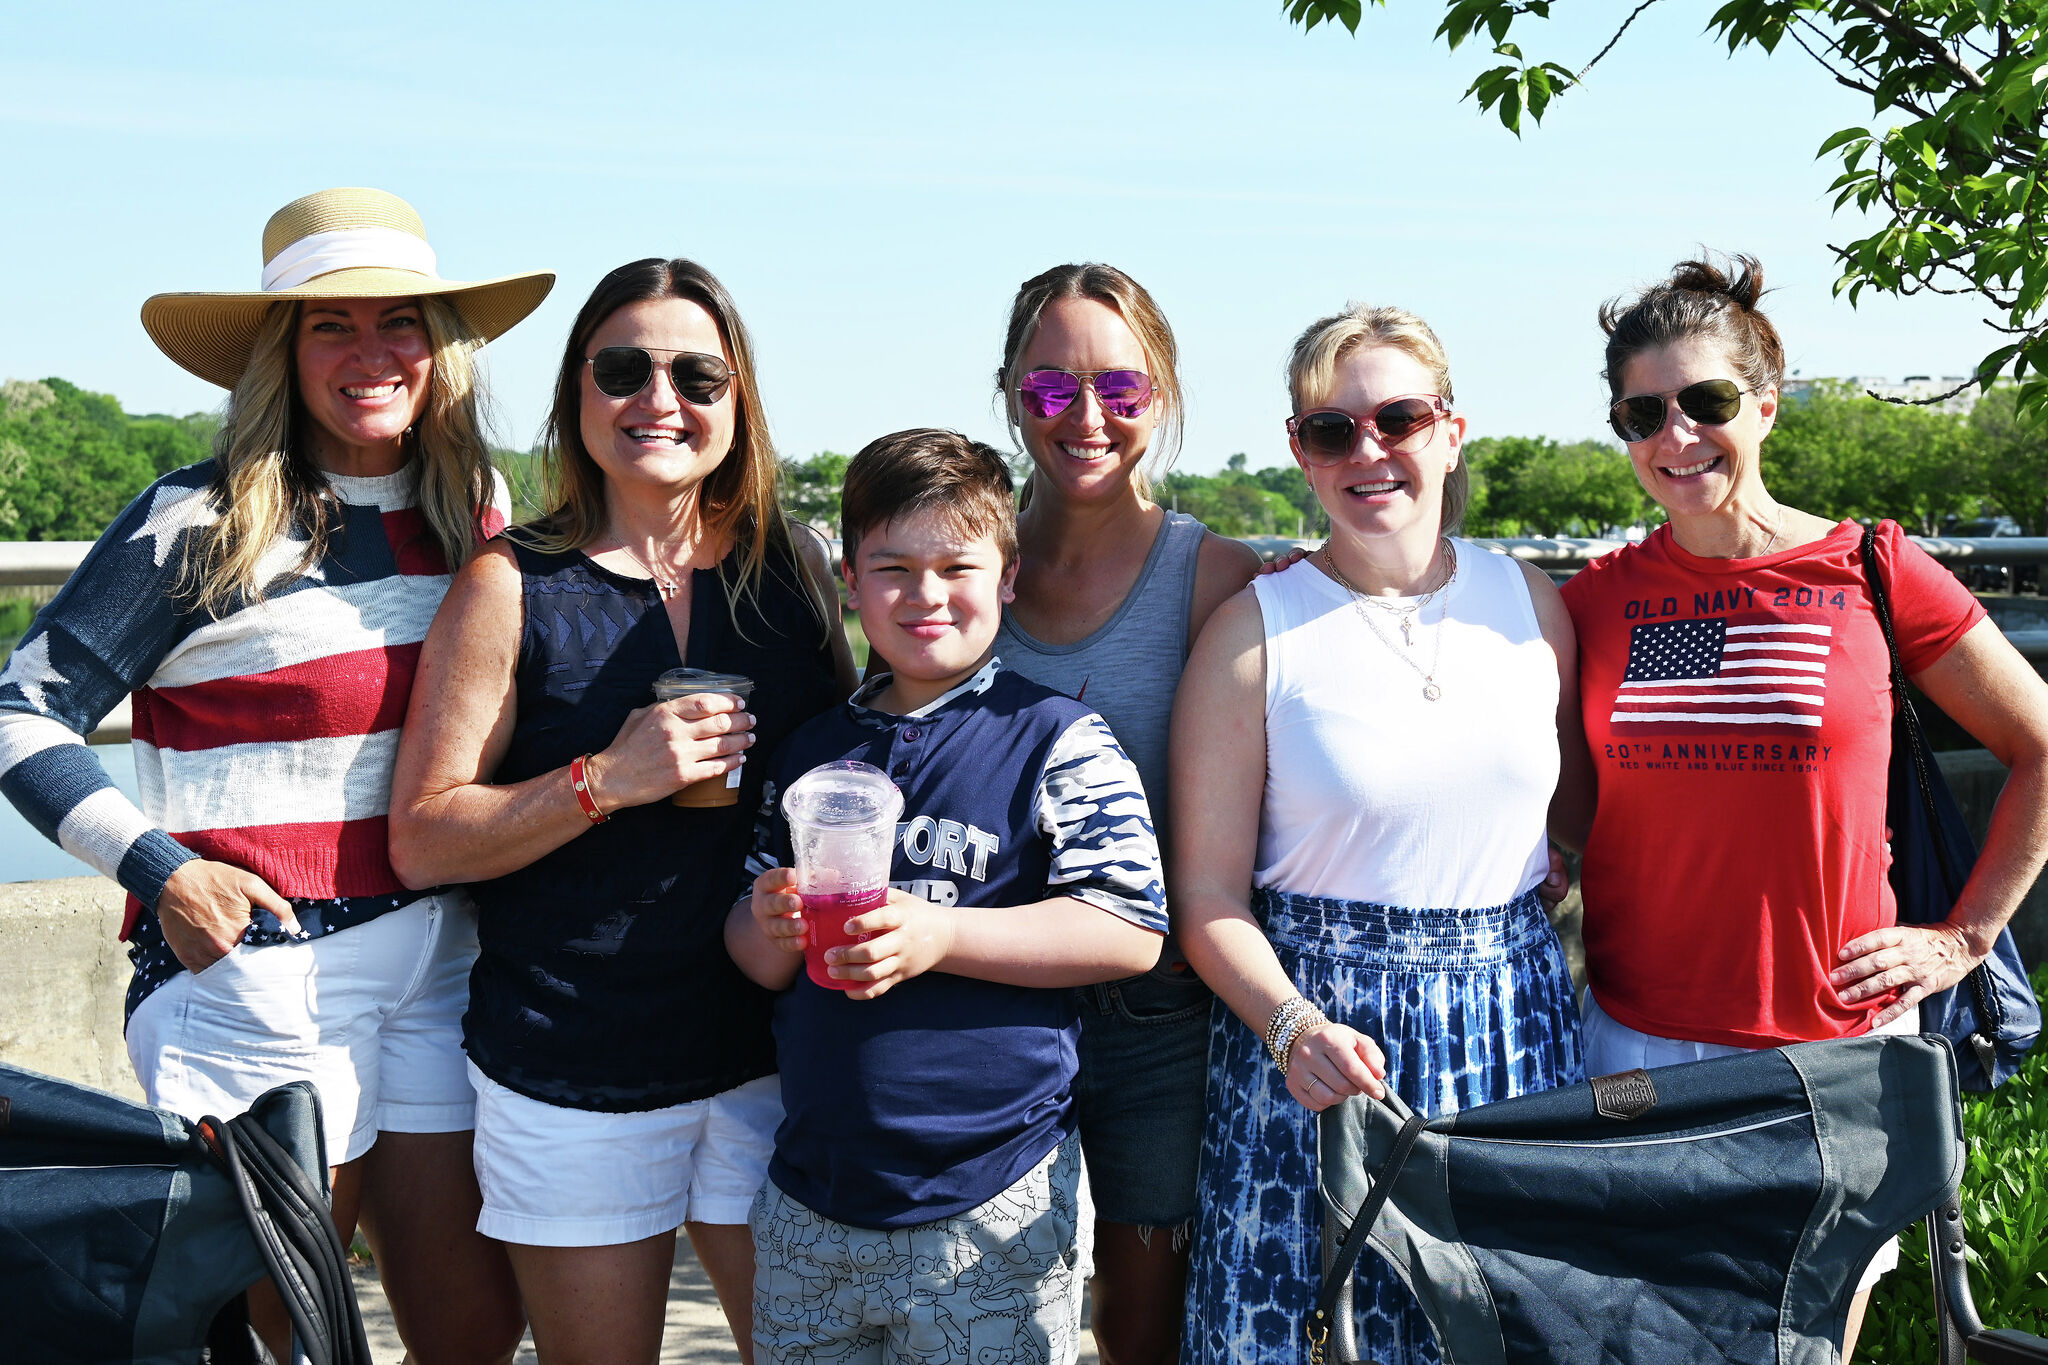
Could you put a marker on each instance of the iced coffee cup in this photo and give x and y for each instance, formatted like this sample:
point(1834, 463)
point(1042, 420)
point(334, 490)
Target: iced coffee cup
point(842, 825)
point(724, 789)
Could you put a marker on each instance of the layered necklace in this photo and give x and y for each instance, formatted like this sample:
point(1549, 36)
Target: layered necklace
point(1407, 612)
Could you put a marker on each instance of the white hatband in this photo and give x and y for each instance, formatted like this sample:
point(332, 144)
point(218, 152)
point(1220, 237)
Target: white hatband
point(345, 248)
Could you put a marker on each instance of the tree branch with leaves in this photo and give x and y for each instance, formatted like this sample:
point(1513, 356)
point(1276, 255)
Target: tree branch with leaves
point(1950, 163)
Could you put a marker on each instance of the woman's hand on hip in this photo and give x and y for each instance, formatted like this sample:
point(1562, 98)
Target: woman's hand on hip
point(204, 910)
point(1914, 960)
point(1331, 1062)
point(665, 747)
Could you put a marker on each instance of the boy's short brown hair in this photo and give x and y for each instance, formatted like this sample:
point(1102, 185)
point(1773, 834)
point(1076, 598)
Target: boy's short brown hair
point(928, 469)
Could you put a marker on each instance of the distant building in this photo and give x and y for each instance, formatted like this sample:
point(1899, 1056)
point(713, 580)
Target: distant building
point(1912, 387)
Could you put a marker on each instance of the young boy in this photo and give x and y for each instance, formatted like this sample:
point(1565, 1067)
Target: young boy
point(920, 1204)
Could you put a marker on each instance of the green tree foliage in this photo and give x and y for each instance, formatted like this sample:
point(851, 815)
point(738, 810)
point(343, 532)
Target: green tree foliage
point(1949, 169)
point(810, 488)
point(2005, 1222)
point(1290, 483)
point(71, 460)
point(1534, 486)
point(2012, 458)
point(1238, 502)
point(1841, 453)
point(521, 471)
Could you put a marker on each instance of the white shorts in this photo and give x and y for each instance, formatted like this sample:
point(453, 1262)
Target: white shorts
point(558, 1177)
point(1612, 1046)
point(371, 1015)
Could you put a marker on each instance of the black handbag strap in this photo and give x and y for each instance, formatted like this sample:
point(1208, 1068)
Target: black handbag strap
point(287, 1215)
point(1902, 702)
point(1339, 1273)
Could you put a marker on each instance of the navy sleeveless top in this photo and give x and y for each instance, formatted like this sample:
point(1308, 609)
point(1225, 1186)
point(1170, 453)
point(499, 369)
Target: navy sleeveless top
point(603, 982)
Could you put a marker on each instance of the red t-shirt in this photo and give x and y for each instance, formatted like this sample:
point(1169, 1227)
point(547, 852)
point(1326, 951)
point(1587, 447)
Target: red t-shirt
point(1739, 714)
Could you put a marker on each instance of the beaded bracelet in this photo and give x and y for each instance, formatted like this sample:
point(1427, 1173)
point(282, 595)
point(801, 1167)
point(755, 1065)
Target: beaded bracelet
point(1284, 1014)
point(1302, 1023)
point(579, 778)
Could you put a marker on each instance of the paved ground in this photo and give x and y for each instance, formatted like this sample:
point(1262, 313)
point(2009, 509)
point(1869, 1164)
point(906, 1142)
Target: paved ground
point(696, 1333)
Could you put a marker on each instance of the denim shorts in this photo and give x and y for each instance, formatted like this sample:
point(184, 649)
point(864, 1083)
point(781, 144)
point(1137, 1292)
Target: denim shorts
point(1144, 1063)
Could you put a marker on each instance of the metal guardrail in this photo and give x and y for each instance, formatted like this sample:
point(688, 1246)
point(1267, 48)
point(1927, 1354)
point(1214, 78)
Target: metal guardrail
point(47, 563)
point(39, 563)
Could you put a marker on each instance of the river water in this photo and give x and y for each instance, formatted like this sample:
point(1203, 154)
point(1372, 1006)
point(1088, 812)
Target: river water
point(26, 855)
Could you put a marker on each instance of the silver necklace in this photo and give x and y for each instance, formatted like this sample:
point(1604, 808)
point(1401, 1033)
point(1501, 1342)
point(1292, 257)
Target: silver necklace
point(1431, 691)
point(1775, 530)
point(1404, 610)
point(667, 587)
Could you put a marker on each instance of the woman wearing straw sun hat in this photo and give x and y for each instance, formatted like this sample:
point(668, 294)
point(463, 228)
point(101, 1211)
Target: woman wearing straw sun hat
point(266, 607)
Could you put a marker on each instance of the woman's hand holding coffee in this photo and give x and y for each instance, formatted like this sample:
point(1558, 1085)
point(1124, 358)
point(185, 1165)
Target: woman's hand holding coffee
point(665, 747)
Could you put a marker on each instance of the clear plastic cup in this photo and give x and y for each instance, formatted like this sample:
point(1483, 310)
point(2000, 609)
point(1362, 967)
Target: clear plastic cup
point(842, 825)
point(724, 789)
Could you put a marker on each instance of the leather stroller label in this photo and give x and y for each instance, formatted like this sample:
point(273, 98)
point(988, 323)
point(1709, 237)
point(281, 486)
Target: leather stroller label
point(1624, 1095)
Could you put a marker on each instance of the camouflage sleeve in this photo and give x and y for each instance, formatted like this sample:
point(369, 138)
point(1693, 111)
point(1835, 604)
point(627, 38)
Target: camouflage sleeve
point(1092, 806)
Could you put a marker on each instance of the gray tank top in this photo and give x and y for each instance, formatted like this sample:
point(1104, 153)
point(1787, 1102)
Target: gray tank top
point(1128, 670)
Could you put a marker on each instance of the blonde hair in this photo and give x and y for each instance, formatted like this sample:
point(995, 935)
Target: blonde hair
point(1110, 287)
point(1326, 342)
point(740, 500)
point(268, 485)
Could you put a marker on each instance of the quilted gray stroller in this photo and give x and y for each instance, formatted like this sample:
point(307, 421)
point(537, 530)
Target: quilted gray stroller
point(128, 1234)
point(1719, 1211)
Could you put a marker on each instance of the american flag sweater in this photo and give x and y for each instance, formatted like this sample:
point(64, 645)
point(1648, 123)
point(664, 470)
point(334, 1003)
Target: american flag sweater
point(265, 734)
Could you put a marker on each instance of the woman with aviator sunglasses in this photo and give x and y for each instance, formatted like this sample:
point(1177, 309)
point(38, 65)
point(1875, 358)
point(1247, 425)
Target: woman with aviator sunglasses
point(1366, 750)
point(1112, 590)
point(623, 1066)
point(1735, 687)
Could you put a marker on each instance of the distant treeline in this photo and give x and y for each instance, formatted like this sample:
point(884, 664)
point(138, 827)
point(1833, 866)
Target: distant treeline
point(70, 460)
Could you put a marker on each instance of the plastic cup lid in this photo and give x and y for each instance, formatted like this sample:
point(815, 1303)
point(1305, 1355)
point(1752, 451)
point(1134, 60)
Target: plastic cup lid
point(847, 793)
point(679, 682)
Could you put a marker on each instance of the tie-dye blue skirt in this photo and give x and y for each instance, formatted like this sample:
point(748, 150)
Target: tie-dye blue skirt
point(1469, 1006)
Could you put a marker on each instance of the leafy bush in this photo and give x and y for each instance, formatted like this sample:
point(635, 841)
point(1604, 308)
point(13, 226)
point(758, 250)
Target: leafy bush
point(2005, 1222)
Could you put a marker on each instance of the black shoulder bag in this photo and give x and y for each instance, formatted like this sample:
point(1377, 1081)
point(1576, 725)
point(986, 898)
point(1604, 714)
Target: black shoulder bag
point(1991, 1017)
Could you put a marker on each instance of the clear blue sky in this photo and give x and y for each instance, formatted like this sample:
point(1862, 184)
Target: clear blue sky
point(873, 180)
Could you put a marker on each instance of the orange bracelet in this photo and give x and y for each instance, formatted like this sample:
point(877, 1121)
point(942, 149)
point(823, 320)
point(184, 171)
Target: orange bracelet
point(579, 778)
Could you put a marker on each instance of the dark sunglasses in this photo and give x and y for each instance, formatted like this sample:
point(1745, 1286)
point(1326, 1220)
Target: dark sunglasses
point(1122, 393)
point(1328, 436)
point(622, 371)
point(1711, 402)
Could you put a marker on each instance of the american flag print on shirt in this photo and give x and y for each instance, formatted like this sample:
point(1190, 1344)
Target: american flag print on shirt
point(1725, 674)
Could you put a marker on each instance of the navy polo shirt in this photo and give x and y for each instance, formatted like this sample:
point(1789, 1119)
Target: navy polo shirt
point(945, 1091)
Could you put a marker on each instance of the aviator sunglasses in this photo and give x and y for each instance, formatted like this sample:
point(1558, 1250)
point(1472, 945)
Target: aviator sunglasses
point(1711, 402)
point(622, 371)
point(1328, 436)
point(1122, 393)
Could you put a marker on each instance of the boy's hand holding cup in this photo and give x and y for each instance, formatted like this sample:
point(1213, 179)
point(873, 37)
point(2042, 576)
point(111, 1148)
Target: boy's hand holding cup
point(779, 910)
point(842, 824)
point(905, 936)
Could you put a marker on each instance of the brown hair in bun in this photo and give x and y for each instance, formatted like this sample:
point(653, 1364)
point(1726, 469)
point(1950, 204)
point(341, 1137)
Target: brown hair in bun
point(1700, 301)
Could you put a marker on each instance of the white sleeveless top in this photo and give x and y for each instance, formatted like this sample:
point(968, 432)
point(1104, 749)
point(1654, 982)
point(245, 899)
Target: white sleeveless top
point(1374, 793)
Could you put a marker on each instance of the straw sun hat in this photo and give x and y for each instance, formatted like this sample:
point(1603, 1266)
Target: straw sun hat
point(337, 244)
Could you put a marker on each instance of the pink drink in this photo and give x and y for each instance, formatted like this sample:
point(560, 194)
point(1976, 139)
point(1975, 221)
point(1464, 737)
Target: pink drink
point(826, 915)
